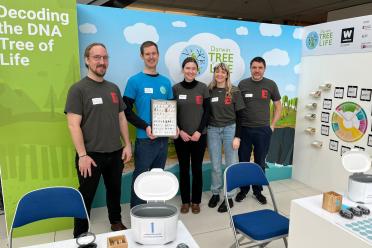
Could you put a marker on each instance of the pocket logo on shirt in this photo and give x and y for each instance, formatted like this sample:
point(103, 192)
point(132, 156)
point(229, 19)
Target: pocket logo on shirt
point(264, 93)
point(227, 100)
point(182, 97)
point(149, 90)
point(163, 90)
point(114, 98)
point(214, 99)
point(97, 100)
point(248, 95)
point(199, 100)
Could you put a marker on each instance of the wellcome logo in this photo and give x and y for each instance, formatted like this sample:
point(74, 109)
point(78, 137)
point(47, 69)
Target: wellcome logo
point(198, 54)
point(312, 40)
point(347, 35)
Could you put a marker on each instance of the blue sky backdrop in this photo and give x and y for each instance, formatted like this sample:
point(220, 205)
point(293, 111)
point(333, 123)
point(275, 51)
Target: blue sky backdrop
point(122, 31)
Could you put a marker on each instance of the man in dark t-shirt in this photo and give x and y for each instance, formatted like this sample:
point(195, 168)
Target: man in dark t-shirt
point(256, 129)
point(96, 120)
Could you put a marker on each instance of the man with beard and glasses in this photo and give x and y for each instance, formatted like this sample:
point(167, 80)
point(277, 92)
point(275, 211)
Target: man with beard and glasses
point(96, 120)
point(150, 151)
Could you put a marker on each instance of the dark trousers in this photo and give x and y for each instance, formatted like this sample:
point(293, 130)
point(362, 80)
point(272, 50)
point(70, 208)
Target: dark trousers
point(110, 166)
point(258, 139)
point(193, 151)
point(148, 154)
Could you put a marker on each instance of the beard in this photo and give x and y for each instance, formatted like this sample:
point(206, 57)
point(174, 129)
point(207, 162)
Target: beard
point(97, 71)
point(257, 77)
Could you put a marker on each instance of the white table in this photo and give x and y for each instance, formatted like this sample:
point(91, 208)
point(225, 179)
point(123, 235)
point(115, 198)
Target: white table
point(183, 236)
point(310, 226)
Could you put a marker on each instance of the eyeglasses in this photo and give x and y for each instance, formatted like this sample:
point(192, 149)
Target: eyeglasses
point(99, 57)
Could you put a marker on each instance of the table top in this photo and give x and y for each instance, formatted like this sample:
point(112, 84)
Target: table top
point(360, 227)
point(183, 236)
point(314, 204)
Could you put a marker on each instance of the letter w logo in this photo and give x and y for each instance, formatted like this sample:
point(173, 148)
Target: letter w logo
point(347, 35)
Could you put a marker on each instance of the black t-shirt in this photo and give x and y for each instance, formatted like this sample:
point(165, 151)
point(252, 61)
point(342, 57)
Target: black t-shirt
point(223, 108)
point(257, 96)
point(190, 110)
point(99, 104)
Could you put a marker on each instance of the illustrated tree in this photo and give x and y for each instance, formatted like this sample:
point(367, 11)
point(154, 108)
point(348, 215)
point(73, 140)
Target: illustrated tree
point(295, 100)
point(196, 54)
point(285, 107)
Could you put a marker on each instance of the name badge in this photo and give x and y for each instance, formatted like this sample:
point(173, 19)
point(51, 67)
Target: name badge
point(248, 95)
point(214, 99)
point(97, 100)
point(182, 97)
point(149, 90)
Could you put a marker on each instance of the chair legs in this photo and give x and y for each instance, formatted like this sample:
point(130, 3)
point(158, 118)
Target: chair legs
point(234, 245)
point(238, 242)
point(285, 242)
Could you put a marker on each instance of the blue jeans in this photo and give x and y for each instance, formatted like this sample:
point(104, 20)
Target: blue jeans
point(148, 154)
point(218, 136)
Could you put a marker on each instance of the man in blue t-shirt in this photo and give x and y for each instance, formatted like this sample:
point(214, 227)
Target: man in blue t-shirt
point(150, 151)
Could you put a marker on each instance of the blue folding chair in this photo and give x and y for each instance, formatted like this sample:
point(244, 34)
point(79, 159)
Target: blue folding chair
point(261, 226)
point(45, 203)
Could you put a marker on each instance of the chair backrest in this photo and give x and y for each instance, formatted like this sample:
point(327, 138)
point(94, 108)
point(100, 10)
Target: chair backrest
point(242, 174)
point(48, 203)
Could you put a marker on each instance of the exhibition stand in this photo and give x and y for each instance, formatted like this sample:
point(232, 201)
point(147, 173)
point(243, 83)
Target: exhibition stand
point(326, 97)
point(42, 56)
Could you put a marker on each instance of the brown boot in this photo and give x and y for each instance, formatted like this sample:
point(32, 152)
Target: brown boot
point(185, 208)
point(195, 208)
point(118, 226)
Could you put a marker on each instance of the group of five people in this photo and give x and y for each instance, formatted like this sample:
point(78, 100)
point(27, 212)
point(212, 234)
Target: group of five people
point(227, 119)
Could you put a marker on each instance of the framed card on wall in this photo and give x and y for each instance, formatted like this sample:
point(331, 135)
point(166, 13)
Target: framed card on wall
point(324, 117)
point(369, 142)
point(339, 92)
point(344, 149)
point(360, 148)
point(327, 104)
point(352, 91)
point(324, 130)
point(365, 94)
point(333, 145)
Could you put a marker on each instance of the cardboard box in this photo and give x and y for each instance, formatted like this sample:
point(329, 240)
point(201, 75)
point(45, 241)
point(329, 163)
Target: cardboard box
point(117, 242)
point(332, 201)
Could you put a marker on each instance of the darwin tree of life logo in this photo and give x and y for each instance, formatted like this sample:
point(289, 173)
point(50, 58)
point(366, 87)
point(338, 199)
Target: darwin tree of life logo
point(312, 40)
point(198, 54)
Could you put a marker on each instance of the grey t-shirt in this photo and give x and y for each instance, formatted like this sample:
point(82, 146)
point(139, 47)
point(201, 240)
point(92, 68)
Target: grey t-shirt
point(257, 96)
point(223, 108)
point(99, 104)
point(190, 106)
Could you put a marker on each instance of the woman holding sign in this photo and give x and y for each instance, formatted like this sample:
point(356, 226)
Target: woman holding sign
point(192, 116)
point(223, 130)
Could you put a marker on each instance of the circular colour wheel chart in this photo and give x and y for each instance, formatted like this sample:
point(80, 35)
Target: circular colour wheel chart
point(349, 122)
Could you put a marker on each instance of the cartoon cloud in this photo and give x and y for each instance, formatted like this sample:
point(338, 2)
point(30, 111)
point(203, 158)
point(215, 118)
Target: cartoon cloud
point(87, 28)
point(139, 33)
point(209, 50)
point(276, 57)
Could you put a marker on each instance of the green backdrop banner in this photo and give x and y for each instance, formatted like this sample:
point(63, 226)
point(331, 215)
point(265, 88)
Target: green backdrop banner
point(39, 60)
